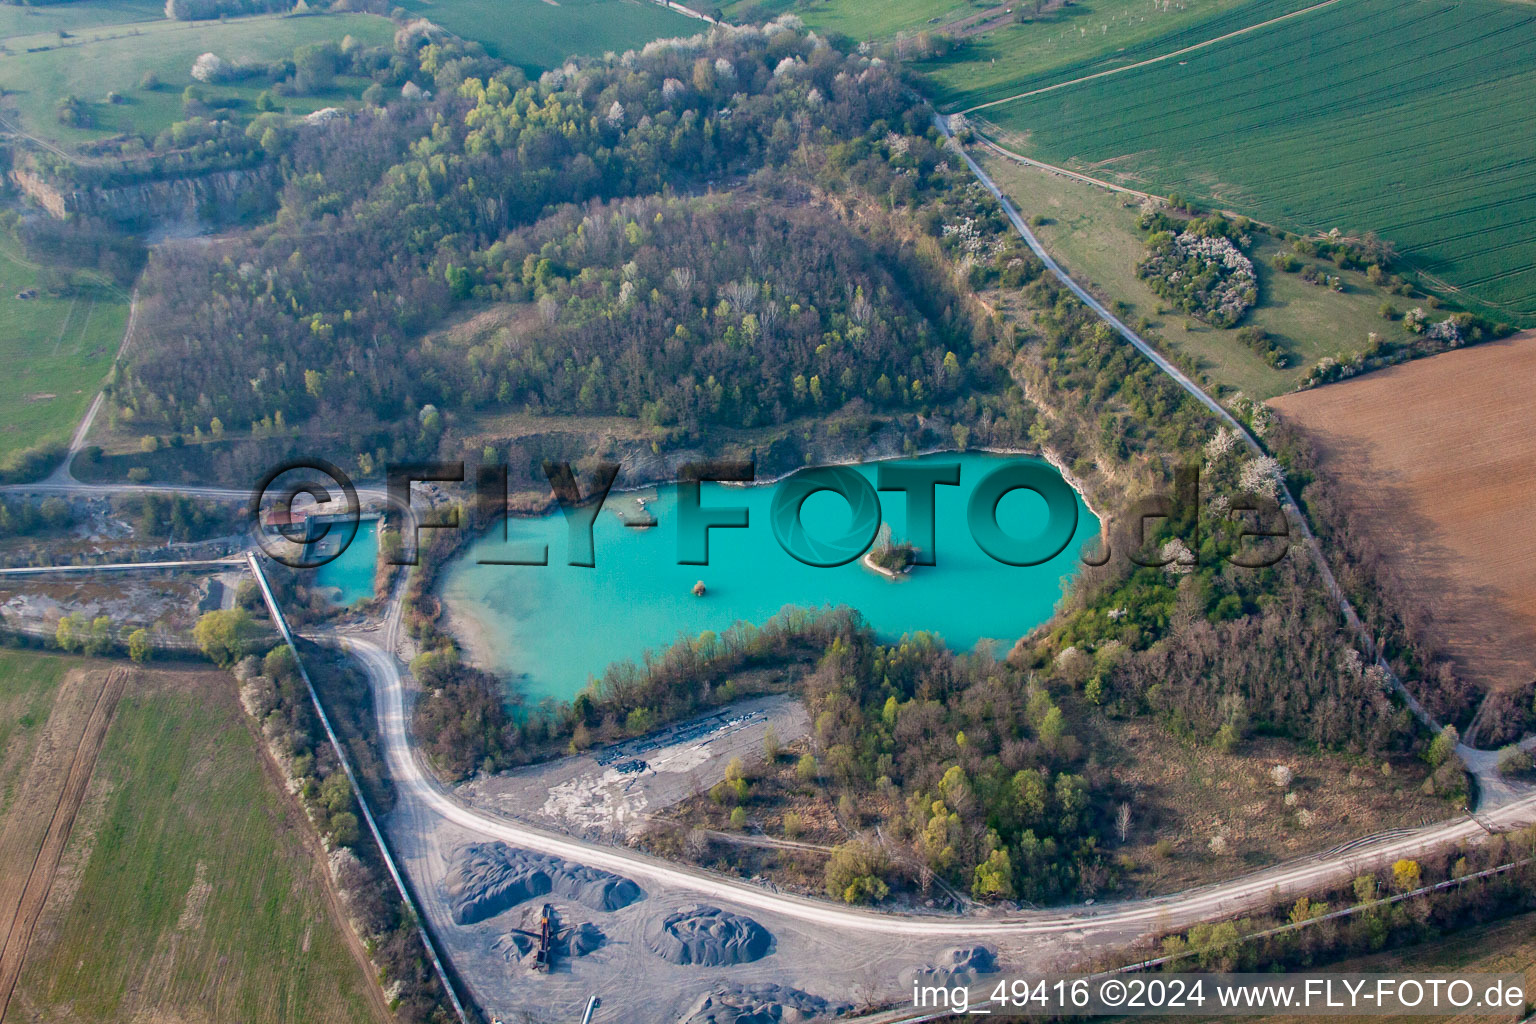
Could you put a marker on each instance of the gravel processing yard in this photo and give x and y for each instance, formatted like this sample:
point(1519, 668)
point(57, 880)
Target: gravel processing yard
point(609, 793)
point(653, 954)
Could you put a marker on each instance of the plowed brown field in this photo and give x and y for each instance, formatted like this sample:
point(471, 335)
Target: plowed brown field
point(1437, 458)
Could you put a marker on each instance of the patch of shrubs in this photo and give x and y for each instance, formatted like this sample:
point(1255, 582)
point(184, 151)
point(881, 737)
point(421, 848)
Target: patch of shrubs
point(1205, 274)
point(1265, 345)
point(1313, 274)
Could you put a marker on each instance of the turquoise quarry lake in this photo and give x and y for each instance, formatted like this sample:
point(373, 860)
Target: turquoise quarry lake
point(553, 627)
point(351, 572)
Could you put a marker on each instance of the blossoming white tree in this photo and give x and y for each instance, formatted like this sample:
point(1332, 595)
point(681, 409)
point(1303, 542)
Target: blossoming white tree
point(208, 68)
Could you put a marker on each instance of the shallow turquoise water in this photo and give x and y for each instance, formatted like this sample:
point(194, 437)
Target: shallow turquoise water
point(351, 572)
point(552, 627)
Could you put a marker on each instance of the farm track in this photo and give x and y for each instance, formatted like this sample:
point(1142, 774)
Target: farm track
point(1242, 15)
point(30, 869)
point(1151, 60)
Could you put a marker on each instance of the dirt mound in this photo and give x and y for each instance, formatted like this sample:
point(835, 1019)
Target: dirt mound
point(960, 966)
point(585, 938)
point(488, 878)
point(762, 1004)
point(513, 946)
point(708, 937)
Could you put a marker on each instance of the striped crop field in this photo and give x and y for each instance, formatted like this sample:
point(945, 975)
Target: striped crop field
point(1412, 118)
point(1080, 39)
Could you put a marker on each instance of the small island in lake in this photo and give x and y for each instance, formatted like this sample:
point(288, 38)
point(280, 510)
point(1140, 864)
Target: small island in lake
point(889, 558)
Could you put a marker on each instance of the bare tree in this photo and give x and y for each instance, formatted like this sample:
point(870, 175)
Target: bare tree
point(1123, 822)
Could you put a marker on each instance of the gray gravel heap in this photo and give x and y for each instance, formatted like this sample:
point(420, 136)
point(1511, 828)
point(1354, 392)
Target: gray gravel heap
point(708, 937)
point(762, 1004)
point(960, 966)
point(512, 946)
point(585, 938)
point(488, 878)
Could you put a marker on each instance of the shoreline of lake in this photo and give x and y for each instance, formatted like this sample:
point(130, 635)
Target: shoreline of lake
point(510, 625)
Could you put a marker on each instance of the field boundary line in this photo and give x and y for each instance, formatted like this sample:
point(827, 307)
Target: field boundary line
point(1008, 154)
point(1152, 60)
point(51, 850)
point(1054, 169)
point(69, 318)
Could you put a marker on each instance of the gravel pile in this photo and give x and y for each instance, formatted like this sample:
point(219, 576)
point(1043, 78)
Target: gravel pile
point(708, 937)
point(585, 938)
point(762, 1004)
point(488, 878)
point(960, 966)
point(513, 946)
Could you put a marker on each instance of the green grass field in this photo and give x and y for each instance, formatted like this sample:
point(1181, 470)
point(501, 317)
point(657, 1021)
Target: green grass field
point(1063, 42)
point(57, 351)
point(21, 20)
point(537, 35)
point(1092, 232)
point(114, 58)
point(856, 18)
point(1412, 120)
point(197, 898)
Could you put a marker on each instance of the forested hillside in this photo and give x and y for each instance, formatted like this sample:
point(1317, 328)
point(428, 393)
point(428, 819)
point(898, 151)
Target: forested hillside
point(317, 316)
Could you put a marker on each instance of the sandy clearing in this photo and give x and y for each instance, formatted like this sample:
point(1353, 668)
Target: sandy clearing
point(587, 795)
point(1437, 458)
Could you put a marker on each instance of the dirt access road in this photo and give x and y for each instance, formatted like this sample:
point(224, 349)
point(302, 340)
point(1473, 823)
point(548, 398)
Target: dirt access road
point(819, 947)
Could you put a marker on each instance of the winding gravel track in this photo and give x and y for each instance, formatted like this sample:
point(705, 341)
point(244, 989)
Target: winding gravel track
point(413, 783)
